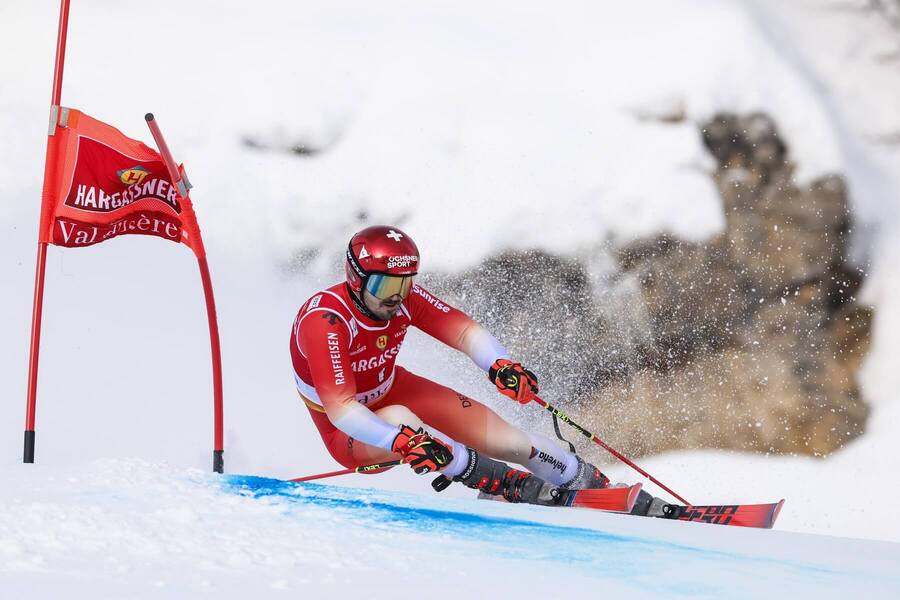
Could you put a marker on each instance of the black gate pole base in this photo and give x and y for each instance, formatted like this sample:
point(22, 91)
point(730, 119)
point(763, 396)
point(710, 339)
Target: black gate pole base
point(218, 460)
point(28, 457)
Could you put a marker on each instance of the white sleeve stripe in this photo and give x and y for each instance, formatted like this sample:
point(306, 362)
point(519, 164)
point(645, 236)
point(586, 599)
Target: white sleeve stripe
point(362, 424)
point(388, 440)
point(307, 390)
point(484, 348)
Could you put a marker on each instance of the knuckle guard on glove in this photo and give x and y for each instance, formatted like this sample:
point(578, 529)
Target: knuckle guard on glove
point(421, 451)
point(513, 380)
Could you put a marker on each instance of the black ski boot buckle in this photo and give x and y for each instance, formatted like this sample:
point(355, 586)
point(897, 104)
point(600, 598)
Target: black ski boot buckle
point(441, 483)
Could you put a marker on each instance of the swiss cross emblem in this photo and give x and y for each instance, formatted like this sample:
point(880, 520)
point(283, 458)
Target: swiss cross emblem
point(394, 235)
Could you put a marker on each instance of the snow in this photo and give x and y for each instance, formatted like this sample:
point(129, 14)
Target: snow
point(137, 529)
point(466, 124)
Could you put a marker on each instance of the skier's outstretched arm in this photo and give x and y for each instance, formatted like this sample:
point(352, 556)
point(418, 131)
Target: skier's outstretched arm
point(454, 328)
point(458, 330)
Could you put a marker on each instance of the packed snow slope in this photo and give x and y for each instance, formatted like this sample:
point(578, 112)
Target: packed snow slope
point(133, 529)
point(438, 117)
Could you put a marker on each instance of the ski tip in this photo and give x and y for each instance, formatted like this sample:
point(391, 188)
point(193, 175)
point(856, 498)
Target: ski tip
point(633, 493)
point(775, 512)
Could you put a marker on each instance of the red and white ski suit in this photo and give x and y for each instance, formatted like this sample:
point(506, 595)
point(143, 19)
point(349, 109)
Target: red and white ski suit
point(345, 371)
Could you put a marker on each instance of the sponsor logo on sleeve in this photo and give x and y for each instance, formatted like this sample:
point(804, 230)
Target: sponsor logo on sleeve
point(334, 353)
point(431, 299)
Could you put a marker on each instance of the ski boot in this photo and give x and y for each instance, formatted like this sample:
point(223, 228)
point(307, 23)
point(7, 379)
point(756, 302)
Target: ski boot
point(587, 477)
point(494, 478)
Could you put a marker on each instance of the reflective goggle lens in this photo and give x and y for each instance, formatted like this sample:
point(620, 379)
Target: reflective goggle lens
point(384, 286)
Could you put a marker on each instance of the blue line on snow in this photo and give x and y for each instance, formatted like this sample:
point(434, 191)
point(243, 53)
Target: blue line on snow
point(649, 564)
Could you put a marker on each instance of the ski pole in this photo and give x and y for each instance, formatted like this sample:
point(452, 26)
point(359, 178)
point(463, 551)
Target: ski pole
point(360, 469)
point(563, 417)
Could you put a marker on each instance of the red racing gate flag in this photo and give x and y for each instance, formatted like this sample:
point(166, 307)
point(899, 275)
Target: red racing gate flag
point(101, 184)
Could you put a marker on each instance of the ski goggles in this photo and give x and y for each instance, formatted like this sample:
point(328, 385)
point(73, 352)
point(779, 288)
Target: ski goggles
point(385, 286)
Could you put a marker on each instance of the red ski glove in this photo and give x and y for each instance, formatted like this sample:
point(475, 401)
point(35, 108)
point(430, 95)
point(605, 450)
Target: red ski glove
point(421, 451)
point(513, 380)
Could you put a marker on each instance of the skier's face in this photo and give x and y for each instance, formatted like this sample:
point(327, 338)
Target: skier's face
point(386, 309)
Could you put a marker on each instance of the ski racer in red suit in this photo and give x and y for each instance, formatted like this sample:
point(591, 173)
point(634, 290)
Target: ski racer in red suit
point(344, 344)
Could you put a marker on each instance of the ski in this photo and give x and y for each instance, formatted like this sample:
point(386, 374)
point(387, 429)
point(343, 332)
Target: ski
point(618, 499)
point(615, 499)
point(741, 515)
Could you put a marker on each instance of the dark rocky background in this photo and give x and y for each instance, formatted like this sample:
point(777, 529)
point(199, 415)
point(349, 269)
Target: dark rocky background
point(751, 340)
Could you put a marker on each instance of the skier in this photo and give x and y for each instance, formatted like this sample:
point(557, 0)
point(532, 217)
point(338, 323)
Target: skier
point(344, 344)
